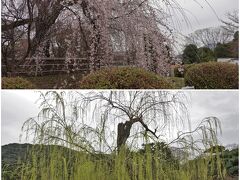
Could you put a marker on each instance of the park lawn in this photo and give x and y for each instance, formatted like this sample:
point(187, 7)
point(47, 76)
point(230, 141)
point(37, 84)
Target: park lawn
point(56, 81)
point(178, 83)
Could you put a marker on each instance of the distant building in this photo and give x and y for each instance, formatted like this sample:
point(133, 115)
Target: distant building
point(229, 60)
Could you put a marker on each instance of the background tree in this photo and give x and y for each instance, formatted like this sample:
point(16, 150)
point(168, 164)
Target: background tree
point(236, 36)
point(222, 40)
point(222, 51)
point(190, 54)
point(215, 149)
point(206, 54)
point(231, 24)
point(209, 37)
point(234, 45)
point(228, 50)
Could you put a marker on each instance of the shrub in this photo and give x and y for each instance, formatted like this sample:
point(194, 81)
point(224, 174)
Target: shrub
point(16, 83)
point(212, 75)
point(124, 78)
point(234, 171)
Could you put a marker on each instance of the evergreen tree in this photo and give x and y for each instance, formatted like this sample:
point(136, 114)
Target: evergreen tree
point(190, 54)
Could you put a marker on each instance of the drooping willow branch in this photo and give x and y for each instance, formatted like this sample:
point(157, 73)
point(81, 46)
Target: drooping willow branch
point(207, 129)
point(104, 121)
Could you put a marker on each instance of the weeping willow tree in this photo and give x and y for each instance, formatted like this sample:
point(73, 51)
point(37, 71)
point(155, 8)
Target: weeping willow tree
point(98, 135)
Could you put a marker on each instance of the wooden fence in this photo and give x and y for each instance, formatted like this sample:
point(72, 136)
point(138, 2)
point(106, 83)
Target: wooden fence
point(49, 66)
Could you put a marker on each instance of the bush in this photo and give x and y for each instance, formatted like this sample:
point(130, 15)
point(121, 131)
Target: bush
point(16, 83)
point(212, 75)
point(233, 171)
point(124, 78)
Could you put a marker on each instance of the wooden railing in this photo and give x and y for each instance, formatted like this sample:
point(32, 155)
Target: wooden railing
point(46, 66)
point(49, 66)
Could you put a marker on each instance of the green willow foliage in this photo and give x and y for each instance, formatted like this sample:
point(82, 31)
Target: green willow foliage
point(61, 164)
point(72, 152)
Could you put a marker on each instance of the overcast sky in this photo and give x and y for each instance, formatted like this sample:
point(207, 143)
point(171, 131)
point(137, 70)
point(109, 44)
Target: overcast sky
point(198, 14)
point(18, 106)
point(204, 13)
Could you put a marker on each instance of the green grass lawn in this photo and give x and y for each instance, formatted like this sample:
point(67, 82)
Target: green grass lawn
point(60, 81)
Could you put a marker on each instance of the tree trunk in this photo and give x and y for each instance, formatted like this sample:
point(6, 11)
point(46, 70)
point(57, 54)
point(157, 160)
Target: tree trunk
point(94, 53)
point(125, 128)
point(43, 23)
point(11, 62)
point(123, 133)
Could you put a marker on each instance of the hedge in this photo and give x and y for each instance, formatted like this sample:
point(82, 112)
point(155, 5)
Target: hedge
point(212, 75)
point(16, 83)
point(124, 78)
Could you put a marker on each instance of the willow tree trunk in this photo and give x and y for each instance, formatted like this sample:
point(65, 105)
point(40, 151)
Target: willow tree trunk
point(123, 132)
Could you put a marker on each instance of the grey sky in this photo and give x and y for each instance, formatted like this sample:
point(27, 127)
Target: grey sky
point(205, 13)
point(198, 14)
point(17, 106)
point(221, 104)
